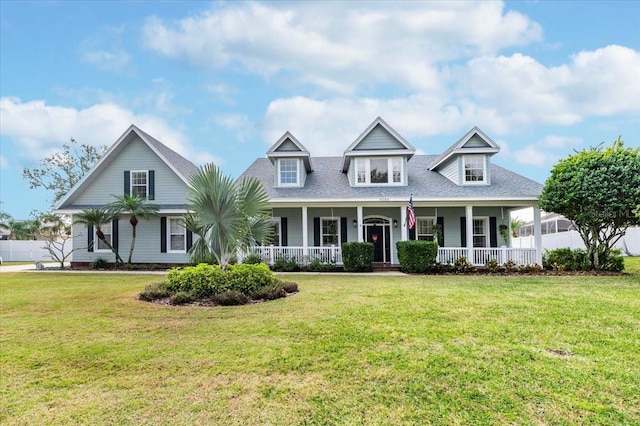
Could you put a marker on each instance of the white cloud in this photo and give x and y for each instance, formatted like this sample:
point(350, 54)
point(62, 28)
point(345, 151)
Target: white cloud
point(535, 156)
point(116, 60)
point(340, 46)
point(36, 128)
point(4, 163)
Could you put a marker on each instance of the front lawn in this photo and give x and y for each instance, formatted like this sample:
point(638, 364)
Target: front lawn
point(80, 349)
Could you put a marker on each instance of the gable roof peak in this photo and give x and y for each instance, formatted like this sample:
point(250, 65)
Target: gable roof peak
point(285, 141)
point(490, 147)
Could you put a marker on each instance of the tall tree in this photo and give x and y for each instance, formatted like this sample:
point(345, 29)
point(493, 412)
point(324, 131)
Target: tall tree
point(229, 216)
point(28, 229)
point(137, 207)
point(96, 218)
point(597, 189)
point(60, 171)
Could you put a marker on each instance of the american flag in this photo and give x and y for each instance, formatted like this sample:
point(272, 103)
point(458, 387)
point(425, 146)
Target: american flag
point(411, 220)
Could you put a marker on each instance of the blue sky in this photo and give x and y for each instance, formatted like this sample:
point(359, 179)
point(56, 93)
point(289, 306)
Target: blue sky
point(223, 81)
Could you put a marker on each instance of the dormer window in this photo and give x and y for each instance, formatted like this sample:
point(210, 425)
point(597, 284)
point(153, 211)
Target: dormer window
point(379, 171)
point(288, 173)
point(475, 169)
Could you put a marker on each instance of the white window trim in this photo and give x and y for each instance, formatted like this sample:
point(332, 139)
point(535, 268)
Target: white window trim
point(367, 168)
point(169, 234)
point(338, 233)
point(131, 185)
point(432, 218)
point(487, 231)
point(484, 180)
point(97, 241)
point(277, 220)
point(279, 176)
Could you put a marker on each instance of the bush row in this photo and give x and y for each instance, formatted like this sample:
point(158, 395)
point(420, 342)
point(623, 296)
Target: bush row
point(566, 259)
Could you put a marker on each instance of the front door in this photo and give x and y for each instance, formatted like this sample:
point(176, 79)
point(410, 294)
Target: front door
point(379, 234)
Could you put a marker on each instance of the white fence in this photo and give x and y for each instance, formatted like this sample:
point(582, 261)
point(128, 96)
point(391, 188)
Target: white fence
point(12, 250)
point(629, 244)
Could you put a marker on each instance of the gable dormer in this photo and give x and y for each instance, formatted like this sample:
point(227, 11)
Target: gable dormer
point(378, 157)
point(291, 161)
point(467, 161)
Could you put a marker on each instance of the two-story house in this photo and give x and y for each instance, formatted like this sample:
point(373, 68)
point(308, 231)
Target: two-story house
point(459, 198)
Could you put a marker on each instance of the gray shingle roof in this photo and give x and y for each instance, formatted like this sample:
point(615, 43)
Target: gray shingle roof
point(328, 182)
point(181, 164)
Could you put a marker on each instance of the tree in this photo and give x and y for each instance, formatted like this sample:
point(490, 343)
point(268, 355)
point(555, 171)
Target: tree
point(228, 216)
point(516, 224)
point(60, 171)
point(135, 206)
point(96, 217)
point(20, 229)
point(597, 189)
point(56, 232)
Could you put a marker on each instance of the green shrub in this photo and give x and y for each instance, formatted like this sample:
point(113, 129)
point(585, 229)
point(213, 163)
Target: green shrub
point(492, 265)
point(285, 263)
point(357, 257)
point(247, 279)
point(252, 259)
point(182, 297)
point(230, 298)
point(273, 292)
point(289, 287)
point(317, 265)
point(417, 257)
point(100, 263)
point(530, 269)
point(510, 266)
point(154, 292)
point(614, 262)
point(203, 280)
point(573, 260)
point(462, 265)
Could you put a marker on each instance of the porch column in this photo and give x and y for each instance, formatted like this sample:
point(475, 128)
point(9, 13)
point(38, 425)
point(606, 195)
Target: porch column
point(305, 233)
point(359, 228)
point(469, 214)
point(537, 234)
point(404, 234)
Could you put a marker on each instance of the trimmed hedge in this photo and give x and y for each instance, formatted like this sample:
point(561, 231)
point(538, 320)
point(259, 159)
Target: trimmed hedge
point(417, 257)
point(357, 257)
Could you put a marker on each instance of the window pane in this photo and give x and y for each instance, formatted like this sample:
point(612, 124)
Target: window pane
point(106, 230)
point(330, 232)
point(379, 171)
point(397, 170)
point(361, 170)
point(474, 168)
point(288, 171)
point(177, 238)
point(177, 242)
point(276, 232)
point(139, 184)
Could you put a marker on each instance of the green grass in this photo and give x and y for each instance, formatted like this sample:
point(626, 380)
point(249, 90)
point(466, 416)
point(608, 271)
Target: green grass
point(80, 349)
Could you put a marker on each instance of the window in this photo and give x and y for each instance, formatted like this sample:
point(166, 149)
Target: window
point(139, 183)
point(177, 235)
point(480, 233)
point(330, 232)
point(425, 228)
point(277, 239)
point(288, 173)
point(379, 171)
point(106, 230)
point(474, 168)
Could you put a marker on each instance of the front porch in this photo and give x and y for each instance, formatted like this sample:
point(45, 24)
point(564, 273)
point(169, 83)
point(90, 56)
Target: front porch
point(446, 255)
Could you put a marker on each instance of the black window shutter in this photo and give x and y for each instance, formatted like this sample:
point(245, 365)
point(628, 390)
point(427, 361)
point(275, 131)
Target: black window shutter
point(316, 231)
point(440, 223)
point(90, 238)
point(152, 185)
point(463, 231)
point(343, 230)
point(412, 232)
point(493, 234)
point(163, 234)
point(189, 239)
point(284, 237)
point(114, 234)
point(127, 182)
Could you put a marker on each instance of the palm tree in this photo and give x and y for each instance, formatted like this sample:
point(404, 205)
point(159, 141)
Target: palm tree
point(229, 216)
point(96, 217)
point(515, 225)
point(136, 206)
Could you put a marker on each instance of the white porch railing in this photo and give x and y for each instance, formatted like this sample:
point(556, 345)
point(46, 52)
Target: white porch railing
point(521, 256)
point(269, 254)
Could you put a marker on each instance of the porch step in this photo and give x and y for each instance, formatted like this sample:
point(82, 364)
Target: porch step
point(385, 267)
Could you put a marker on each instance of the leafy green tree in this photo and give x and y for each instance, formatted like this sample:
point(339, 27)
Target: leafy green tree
point(137, 207)
point(28, 229)
point(60, 171)
point(96, 217)
point(597, 189)
point(516, 224)
point(228, 215)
